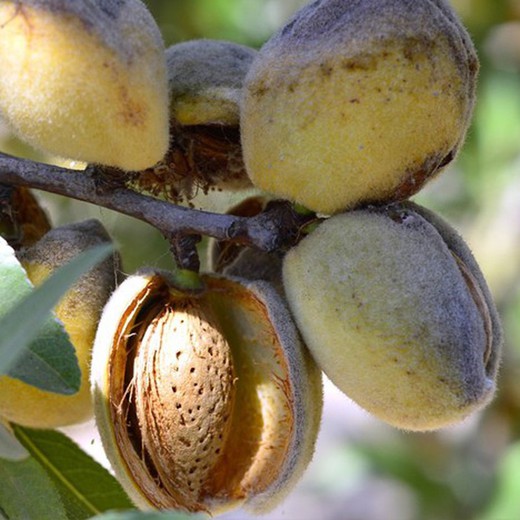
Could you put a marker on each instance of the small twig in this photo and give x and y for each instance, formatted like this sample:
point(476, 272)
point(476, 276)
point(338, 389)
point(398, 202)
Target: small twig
point(276, 228)
point(184, 250)
point(8, 224)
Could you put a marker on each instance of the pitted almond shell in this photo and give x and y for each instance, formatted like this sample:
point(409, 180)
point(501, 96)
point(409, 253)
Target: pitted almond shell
point(204, 401)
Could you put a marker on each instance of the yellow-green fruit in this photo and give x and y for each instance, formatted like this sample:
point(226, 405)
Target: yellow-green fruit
point(79, 310)
point(85, 80)
point(206, 401)
point(396, 312)
point(356, 102)
point(205, 85)
point(206, 78)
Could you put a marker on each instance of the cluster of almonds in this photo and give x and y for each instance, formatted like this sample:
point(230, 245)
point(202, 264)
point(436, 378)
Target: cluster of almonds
point(207, 390)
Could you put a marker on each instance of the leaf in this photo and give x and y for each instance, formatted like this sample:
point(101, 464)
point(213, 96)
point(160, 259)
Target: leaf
point(48, 364)
point(139, 515)
point(85, 487)
point(16, 285)
point(10, 447)
point(27, 493)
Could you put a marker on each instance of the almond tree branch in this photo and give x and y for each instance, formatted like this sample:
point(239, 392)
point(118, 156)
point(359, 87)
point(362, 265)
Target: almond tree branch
point(276, 228)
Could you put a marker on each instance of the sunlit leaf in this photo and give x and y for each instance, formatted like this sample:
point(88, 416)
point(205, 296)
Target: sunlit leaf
point(50, 362)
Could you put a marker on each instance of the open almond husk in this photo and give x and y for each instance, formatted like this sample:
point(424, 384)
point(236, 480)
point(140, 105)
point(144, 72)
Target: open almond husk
point(205, 400)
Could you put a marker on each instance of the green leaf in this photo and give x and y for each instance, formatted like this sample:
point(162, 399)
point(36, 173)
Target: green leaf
point(15, 285)
point(49, 362)
point(85, 487)
point(139, 515)
point(10, 447)
point(27, 493)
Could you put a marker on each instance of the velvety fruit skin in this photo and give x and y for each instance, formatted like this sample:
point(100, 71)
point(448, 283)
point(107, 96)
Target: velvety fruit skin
point(85, 80)
point(205, 81)
point(358, 101)
point(396, 312)
point(79, 311)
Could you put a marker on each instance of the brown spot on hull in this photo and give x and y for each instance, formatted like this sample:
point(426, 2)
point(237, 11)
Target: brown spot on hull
point(132, 113)
point(360, 62)
point(417, 175)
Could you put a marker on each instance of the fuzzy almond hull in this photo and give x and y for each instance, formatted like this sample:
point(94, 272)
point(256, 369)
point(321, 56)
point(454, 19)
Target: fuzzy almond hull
point(84, 83)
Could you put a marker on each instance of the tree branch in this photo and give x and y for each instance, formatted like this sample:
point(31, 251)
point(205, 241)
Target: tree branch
point(276, 228)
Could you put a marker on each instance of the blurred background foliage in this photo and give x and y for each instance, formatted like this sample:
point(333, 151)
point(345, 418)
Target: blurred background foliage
point(364, 469)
